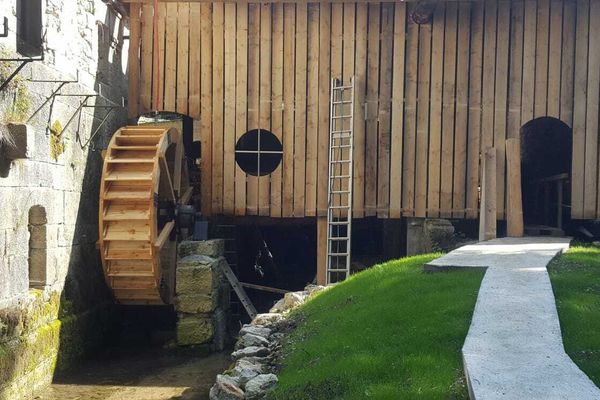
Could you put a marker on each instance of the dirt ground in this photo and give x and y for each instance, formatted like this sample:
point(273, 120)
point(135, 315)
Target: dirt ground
point(149, 375)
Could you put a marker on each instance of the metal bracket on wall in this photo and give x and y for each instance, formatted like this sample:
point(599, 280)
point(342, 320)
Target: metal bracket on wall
point(84, 104)
point(61, 84)
point(23, 61)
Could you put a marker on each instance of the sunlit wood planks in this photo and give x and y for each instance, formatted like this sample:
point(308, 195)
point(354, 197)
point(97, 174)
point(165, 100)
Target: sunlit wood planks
point(429, 98)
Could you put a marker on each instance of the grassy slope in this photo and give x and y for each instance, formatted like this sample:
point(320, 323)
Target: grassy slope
point(575, 279)
point(391, 332)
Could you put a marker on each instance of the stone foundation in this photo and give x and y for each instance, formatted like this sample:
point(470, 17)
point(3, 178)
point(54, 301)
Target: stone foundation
point(202, 298)
point(42, 338)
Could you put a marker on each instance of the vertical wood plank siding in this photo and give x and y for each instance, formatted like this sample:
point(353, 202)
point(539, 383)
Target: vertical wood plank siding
point(429, 98)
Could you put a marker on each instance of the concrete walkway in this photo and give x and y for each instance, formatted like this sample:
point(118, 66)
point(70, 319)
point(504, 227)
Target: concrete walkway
point(514, 347)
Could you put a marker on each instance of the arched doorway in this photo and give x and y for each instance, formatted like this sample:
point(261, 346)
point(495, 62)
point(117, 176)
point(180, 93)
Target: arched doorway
point(546, 156)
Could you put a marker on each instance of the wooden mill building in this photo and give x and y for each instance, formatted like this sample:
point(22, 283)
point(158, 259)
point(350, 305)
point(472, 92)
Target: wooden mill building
point(436, 83)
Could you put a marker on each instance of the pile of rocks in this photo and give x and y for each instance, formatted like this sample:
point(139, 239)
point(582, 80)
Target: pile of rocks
point(255, 355)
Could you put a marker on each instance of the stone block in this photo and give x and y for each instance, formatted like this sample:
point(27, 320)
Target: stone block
point(197, 275)
point(194, 329)
point(196, 303)
point(214, 248)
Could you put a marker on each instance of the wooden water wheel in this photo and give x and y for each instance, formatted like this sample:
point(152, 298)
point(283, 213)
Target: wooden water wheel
point(143, 182)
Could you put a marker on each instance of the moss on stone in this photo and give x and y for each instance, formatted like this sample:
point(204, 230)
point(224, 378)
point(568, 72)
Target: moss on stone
point(57, 146)
point(194, 329)
point(48, 344)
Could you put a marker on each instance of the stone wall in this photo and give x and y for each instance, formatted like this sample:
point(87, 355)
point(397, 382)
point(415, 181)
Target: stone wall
point(51, 169)
point(202, 300)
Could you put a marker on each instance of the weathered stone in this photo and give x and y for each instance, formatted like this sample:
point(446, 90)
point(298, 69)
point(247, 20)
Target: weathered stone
point(256, 330)
point(196, 274)
point(245, 370)
point(226, 388)
point(313, 289)
point(293, 299)
point(252, 351)
point(196, 303)
point(259, 385)
point(194, 329)
point(249, 340)
point(214, 248)
point(267, 318)
point(278, 306)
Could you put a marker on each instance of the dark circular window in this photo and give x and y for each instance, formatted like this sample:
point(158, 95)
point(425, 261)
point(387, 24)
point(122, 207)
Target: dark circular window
point(258, 152)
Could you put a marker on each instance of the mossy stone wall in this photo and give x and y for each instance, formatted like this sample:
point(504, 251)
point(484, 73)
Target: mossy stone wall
point(39, 340)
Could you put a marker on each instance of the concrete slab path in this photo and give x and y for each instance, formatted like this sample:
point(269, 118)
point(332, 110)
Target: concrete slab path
point(514, 347)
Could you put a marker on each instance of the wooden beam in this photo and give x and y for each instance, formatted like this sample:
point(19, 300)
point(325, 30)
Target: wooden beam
point(487, 213)
point(321, 250)
point(164, 235)
point(514, 211)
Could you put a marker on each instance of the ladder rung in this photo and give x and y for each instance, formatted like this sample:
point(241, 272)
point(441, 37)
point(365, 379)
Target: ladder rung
point(341, 136)
point(337, 270)
point(342, 146)
point(341, 161)
point(337, 254)
point(342, 116)
point(339, 207)
point(342, 102)
point(341, 87)
point(340, 191)
point(339, 222)
point(341, 131)
point(337, 239)
point(339, 176)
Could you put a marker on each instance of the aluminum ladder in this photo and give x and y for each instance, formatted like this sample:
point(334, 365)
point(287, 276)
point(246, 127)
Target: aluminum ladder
point(339, 188)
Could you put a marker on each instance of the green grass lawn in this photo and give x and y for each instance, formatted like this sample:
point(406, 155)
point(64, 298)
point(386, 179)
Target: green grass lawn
point(575, 278)
point(390, 332)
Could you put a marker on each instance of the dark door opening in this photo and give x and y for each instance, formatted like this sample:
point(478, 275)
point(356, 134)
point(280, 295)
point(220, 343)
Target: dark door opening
point(546, 156)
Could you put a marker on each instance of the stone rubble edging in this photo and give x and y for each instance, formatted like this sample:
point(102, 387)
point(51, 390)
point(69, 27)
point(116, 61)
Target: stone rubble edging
point(255, 352)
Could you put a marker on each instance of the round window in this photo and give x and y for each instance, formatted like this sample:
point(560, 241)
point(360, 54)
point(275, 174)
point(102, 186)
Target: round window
point(258, 152)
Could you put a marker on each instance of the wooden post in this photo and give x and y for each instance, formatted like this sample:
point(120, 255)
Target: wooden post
point(514, 212)
point(321, 250)
point(559, 194)
point(487, 212)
